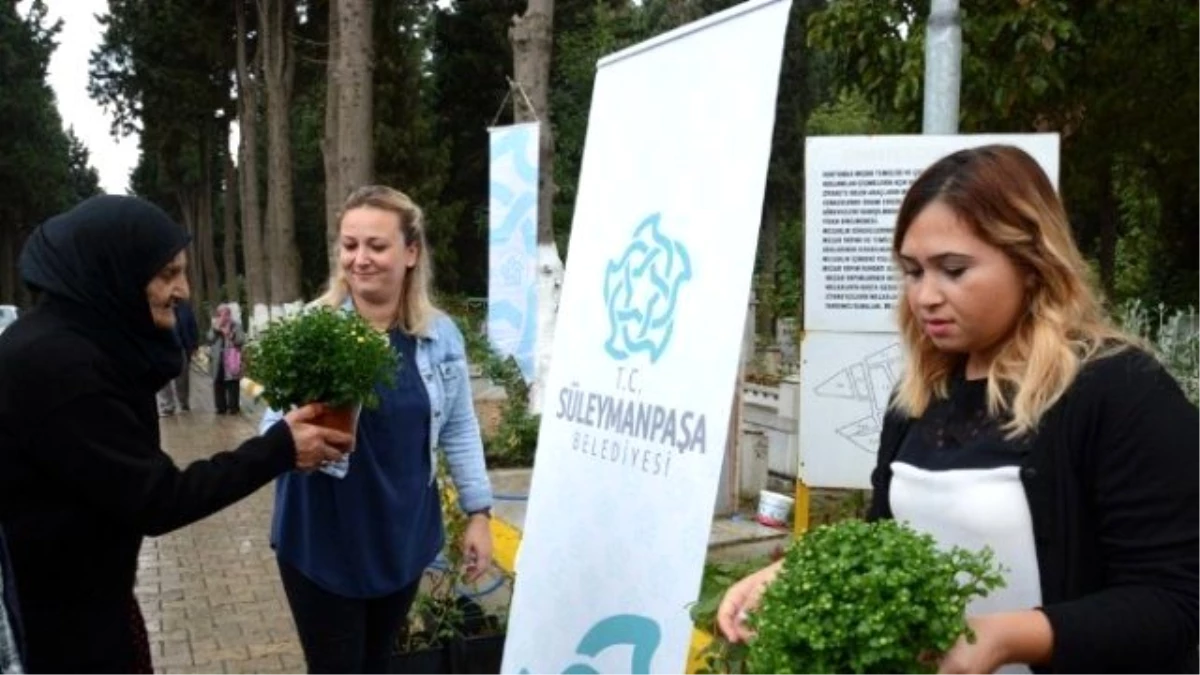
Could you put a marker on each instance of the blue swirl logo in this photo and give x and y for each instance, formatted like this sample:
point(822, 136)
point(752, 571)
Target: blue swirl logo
point(641, 292)
point(640, 632)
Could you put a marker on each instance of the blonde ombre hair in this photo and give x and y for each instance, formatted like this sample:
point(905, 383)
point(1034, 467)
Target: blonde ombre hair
point(1007, 200)
point(415, 310)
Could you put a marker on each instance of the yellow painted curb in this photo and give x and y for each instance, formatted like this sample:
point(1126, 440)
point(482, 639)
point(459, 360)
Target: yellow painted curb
point(700, 641)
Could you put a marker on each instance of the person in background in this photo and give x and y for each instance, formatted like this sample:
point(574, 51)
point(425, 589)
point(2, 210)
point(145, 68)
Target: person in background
point(225, 335)
point(176, 394)
point(84, 478)
point(1026, 422)
point(353, 543)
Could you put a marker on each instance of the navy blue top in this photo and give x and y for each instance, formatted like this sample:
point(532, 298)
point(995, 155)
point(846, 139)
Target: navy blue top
point(374, 531)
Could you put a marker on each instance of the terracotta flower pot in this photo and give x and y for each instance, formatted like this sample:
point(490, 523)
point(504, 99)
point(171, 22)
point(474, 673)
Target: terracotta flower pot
point(344, 418)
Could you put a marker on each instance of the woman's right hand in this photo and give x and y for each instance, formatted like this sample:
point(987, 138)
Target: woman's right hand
point(741, 599)
point(315, 445)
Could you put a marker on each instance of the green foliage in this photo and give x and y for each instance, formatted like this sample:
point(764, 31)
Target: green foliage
point(851, 114)
point(1129, 152)
point(321, 355)
point(1053, 66)
point(804, 84)
point(308, 172)
point(163, 69)
point(597, 30)
point(1139, 272)
point(514, 441)
point(409, 153)
point(439, 613)
point(720, 656)
point(35, 176)
point(1138, 251)
point(470, 59)
point(1036, 42)
point(84, 180)
point(1173, 335)
point(859, 597)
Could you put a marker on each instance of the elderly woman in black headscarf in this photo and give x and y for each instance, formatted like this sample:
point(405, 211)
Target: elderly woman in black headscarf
point(82, 477)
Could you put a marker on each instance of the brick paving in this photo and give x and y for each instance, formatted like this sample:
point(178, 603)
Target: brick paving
point(210, 592)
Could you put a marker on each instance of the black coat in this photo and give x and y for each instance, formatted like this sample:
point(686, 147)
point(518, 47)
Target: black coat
point(84, 480)
point(82, 477)
point(1111, 481)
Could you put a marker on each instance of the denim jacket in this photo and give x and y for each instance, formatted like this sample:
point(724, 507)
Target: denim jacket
point(441, 358)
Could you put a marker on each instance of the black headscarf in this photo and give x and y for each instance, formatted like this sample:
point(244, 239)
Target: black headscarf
point(96, 260)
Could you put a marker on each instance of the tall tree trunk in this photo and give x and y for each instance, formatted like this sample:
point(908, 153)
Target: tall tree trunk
point(203, 239)
point(355, 96)
point(276, 18)
point(229, 230)
point(253, 258)
point(532, 40)
point(335, 191)
point(195, 269)
point(205, 216)
point(532, 44)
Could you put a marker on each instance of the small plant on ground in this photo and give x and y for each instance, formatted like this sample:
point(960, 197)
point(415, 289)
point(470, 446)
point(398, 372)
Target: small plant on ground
point(441, 613)
point(859, 597)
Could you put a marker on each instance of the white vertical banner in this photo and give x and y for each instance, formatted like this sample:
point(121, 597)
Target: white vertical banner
point(646, 347)
point(512, 243)
point(851, 357)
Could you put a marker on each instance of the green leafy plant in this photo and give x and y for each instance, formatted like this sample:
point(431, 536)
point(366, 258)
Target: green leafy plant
point(857, 597)
point(513, 443)
point(321, 355)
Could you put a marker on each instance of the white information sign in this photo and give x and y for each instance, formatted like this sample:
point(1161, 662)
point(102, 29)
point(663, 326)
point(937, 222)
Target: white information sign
point(845, 382)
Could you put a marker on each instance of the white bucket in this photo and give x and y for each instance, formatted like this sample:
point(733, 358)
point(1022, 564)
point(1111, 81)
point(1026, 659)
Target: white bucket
point(774, 509)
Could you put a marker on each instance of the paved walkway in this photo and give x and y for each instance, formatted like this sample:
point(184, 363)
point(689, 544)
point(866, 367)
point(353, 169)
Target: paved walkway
point(210, 592)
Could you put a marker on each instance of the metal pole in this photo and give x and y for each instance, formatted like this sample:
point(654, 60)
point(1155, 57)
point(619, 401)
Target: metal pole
point(943, 68)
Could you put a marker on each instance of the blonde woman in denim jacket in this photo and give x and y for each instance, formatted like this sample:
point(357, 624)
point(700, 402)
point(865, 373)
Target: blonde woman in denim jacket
point(353, 539)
